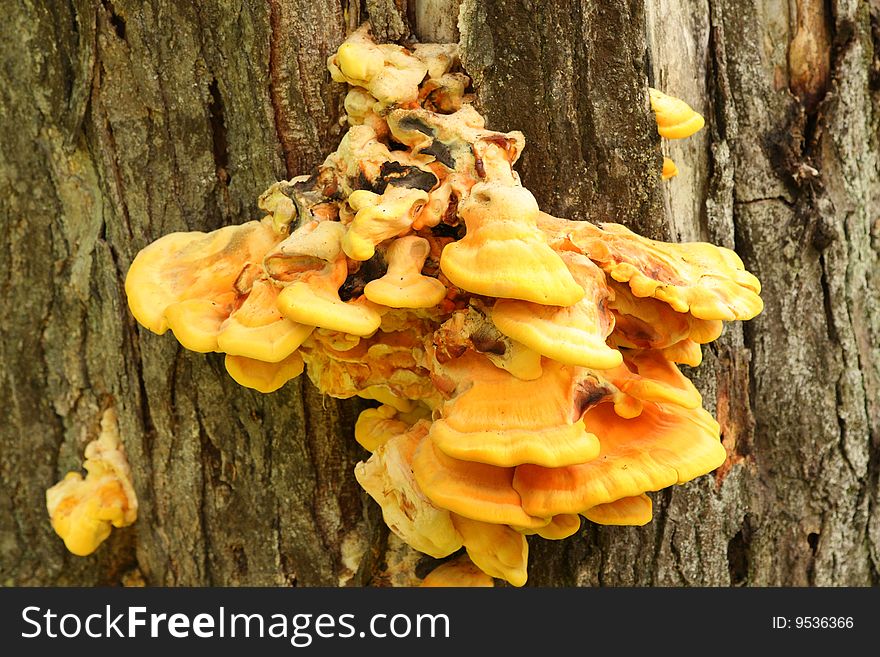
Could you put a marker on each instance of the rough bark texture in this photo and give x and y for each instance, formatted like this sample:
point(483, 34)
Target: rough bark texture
point(121, 121)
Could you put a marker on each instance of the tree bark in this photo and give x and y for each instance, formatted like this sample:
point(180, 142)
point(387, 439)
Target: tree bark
point(121, 121)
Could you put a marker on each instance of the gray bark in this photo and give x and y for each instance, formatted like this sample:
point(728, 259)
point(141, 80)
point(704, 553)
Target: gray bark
point(121, 121)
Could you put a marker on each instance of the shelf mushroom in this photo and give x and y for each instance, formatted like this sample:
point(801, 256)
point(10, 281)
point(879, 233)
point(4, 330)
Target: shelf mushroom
point(575, 334)
point(187, 281)
point(665, 445)
point(503, 253)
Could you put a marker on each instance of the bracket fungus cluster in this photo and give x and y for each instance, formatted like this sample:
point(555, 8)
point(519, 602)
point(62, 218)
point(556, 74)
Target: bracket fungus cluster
point(524, 366)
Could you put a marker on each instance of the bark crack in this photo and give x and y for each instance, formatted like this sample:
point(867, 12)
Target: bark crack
point(206, 446)
point(276, 82)
point(827, 301)
point(113, 159)
point(662, 519)
point(768, 199)
point(117, 22)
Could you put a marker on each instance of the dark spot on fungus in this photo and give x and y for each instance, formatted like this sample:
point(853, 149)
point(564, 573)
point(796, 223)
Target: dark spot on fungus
point(301, 186)
point(488, 344)
point(369, 270)
point(413, 123)
point(404, 176)
point(447, 230)
point(589, 393)
point(478, 164)
point(362, 182)
point(451, 215)
point(441, 153)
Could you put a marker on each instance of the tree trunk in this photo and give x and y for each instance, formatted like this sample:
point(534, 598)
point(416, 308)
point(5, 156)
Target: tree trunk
point(122, 121)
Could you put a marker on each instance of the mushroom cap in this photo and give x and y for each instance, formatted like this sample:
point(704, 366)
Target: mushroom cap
point(262, 376)
point(497, 550)
point(502, 420)
point(196, 322)
point(664, 445)
point(311, 244)
point(574, 335)
point(359, 62)
point(560, 526)
point(686, 352)
point(258, 330)
point(675, 118)
point(503, 254)
point(627, 511)
point(304, 304)
point(704, 331)
point(380, 217)
point(359, 104)
point(647, 323)
point(313, 299)
point(388, 71)
point(83, 513)
point(473, 490)
point(437, 206)
point(669, 169)
point(277, 202)
point(706, 280)
point(650, 377)
point(376, 426)
point(403, 285)
point(460, 572)
point(194, 266)
point(439, 58)
point(384, 394)
point(388, 478)
point(519, 361)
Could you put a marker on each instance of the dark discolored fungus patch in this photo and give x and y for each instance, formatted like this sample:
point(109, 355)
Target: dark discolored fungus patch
point(369, 270)
point(404, 176)
point(413, 123)
point(441, 153)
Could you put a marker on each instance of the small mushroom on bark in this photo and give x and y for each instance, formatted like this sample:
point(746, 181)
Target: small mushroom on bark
point(84, 510)
point(675, 118)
